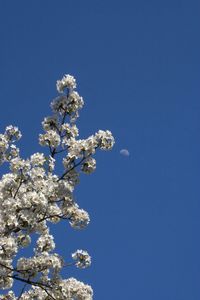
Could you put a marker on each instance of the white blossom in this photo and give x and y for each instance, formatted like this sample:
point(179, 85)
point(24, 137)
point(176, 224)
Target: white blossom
point(67, 81)
point(82, 258)
point(37, 159)
point(8, 246)
point(75, 102)
point(45, 243)
point(12, 153)
point(50, 123)
point(32, 196)
point(79, 218)
point(69, 132)
point(5, 281)
point(67, 104)
point(50, 138)
point(12, 133)
point(23, 240)
point(89, 165)
point(105, 139)
point(20, 165)
point(3, 143)
point(74, 289)
point(51, 163)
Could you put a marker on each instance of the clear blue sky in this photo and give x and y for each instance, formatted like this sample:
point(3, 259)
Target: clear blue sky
point(137, 65)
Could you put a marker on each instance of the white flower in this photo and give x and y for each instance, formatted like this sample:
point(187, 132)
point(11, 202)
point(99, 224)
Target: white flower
point(75, 102)
point(75, 289)
point(50, 138)
point(64, 189)
point(69, 131)
point(32, 197)
point(45, 243)
point(39, 263)
point(79, 218)
point(50, 123)
point(67, 104)
point(82, 258)
point(67, 81)
point(19, 165)
point(13, 152)
point(89, 165)
point(3, 143)
point(37, 159)
point(59, 104)
point(51, 163)
point(23, 240)
point(105, 139)
point(6, 282)
point(12, 133)
point(8, 245)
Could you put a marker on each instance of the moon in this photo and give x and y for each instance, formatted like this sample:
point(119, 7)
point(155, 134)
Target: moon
point(124, 152)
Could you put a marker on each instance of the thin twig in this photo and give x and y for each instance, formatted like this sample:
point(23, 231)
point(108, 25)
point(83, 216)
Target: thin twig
point(72, 168)
point(17, 190)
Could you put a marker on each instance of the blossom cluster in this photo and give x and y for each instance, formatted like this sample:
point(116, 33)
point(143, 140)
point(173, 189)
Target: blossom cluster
point(32, 196)
point(82, 258)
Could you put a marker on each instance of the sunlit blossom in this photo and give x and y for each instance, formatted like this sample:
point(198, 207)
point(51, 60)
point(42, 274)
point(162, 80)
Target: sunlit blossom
point(32, 196)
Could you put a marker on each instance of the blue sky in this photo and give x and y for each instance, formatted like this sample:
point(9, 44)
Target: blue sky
point(137, 66)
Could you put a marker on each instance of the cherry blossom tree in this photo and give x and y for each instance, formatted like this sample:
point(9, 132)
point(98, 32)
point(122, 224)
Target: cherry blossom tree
point(32, 196)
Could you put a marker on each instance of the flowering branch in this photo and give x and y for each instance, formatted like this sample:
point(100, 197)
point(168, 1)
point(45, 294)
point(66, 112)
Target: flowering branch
point(32, 195)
